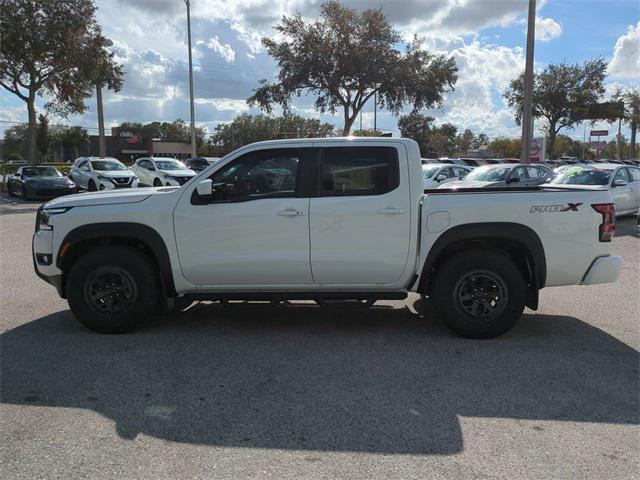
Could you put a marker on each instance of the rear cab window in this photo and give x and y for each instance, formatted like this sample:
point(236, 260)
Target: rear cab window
point(355, 171)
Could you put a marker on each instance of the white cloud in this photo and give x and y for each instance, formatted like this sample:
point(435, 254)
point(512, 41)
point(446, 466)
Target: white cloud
point(547, 29)
point(625, 63)
point(222, 49)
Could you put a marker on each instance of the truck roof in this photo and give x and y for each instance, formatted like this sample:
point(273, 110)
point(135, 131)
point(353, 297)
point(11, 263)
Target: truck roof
point(334, 140)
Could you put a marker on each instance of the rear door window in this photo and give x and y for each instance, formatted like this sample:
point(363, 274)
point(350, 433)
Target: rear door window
point(634, 174)
point(353, 171)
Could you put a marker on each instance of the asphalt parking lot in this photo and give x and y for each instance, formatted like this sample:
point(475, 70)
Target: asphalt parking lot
point(302, 392)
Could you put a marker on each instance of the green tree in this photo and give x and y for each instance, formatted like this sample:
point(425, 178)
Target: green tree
point(465, 141)
point(344, 58)
point(53, 48)
point(245, 129)
point(75, 137)
point(42, 136)
point(15, 140)
point(560, 94)
point(432, 140)
point(505, 147)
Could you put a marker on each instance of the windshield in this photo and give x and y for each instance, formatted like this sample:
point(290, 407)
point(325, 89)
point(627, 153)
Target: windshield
point(488, 174)
point(429, 170)
point(582, 176)
point(41, 172)
point(107, 165)
point(169, 165)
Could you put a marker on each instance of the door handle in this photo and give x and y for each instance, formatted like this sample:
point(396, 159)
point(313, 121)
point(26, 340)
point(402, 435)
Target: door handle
point(390, 211)
point(290, 212)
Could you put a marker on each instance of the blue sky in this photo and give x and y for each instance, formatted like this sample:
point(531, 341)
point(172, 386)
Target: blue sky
point(486, 37)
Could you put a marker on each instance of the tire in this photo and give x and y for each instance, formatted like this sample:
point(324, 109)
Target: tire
point(10, 190)
point(479, 293)
point(92, 186)
point(157, 182)
point(100, 269)
point(25, 195)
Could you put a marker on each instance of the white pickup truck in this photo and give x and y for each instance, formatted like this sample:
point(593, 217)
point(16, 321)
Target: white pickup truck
point(322, 219)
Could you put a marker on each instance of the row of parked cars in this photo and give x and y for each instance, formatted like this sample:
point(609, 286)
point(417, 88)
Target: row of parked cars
point(622, 180)
point(95, 174)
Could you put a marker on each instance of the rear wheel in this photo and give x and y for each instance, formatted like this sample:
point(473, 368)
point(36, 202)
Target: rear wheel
point(480, 293)
point(112, 289)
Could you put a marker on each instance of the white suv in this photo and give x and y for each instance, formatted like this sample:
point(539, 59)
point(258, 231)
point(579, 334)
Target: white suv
point(93, 173)
point(161, 172)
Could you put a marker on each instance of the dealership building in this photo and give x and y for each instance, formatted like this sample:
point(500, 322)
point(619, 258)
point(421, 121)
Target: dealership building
point(128, 144)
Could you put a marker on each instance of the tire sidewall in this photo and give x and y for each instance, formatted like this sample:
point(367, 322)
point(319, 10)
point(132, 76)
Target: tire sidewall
point(139, 268)
point(498, 264)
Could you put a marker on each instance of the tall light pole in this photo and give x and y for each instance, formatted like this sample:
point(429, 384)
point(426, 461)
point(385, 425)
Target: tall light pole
point(527, 119)
point(194, 152)
point(102, 145)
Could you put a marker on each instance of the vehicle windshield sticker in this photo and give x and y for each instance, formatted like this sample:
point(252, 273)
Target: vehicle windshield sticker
point(569, 207)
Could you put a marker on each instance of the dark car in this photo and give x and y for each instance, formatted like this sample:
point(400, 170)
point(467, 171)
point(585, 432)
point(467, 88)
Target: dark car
point(39, 182)
point(197, 164)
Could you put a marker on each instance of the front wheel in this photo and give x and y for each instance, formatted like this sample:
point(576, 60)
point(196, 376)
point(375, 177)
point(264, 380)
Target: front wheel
point(157, 182)
point(112, 289)
point(479, 293)
point(92, 186)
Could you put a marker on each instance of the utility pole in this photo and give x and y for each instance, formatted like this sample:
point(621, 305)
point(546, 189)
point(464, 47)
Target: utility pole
point(194, 152)
point(527, 118)
point(375, 109)
point(102, 144)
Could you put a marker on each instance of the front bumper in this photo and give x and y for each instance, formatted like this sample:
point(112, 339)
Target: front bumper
point(603, 270)
point(116, 185)
point(42, 255)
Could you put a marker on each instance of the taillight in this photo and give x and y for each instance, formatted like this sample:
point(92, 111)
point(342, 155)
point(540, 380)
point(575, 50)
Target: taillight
point(608, 225)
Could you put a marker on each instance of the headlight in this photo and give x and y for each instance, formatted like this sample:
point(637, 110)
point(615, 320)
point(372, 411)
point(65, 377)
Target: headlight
point(43, 217)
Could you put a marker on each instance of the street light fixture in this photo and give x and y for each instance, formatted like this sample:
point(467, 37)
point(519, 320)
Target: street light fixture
point(193, 115)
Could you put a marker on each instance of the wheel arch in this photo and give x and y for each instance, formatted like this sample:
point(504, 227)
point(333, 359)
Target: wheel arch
point(82, 239)
point(520, 241)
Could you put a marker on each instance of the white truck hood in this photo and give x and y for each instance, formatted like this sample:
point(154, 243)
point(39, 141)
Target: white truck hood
point(108, 197)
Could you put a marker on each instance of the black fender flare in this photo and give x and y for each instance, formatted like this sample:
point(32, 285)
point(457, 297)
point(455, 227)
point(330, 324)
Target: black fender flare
point(492, 232)
point(127, 231)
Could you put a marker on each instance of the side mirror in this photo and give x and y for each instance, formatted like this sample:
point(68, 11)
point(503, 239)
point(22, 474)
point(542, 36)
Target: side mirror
point(440, 178)
point(205, 189)
point(513, 180)
point(620, 183)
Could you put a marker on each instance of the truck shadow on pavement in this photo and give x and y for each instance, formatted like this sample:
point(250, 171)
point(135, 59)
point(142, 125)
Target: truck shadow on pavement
point(383, 380)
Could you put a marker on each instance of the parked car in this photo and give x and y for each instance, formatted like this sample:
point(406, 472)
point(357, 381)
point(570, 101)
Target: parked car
point(40, 181)
point(436, 174)
point(623, 183)
point(504, 175)
point(473, 162)
point(452, 161)
point(95, 173)
point(162, 171)
point(347, 219)
point(197, 164)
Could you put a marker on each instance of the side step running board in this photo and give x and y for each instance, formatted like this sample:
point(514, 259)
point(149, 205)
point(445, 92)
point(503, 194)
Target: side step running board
point(279, 296)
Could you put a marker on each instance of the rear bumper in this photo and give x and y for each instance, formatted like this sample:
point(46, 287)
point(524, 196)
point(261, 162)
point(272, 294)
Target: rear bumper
point(603, 270)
